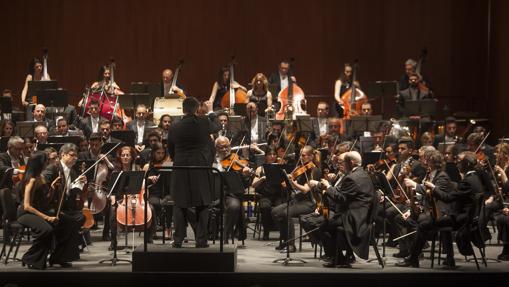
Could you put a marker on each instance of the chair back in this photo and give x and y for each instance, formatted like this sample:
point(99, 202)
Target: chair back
point(8, 204)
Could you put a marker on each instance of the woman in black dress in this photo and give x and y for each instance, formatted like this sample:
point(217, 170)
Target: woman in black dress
point(38, 213)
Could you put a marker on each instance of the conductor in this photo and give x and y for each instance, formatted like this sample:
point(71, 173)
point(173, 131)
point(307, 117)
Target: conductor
point(190, 144)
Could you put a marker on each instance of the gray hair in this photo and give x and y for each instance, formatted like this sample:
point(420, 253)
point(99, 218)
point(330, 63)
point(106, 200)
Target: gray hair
point(221, 138)
point(411, 62)
point(67, 148)
point(13, 141)
point(354, 157)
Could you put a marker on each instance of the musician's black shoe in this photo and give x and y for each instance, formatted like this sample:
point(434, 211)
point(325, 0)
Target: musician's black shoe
point(503, 257)
point(106, 238)
point(265, 236)
point(62, 264)
point(280, 247)
point(329, 264)
point(408, 263)
point(391, 243)
point(176, 245)
point(202, 245)
point(449, 264)
point(400, 254)
point(110, 248)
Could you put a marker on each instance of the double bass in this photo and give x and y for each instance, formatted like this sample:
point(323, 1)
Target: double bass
point(233, 96)
point(291, 99)
point(353, 98)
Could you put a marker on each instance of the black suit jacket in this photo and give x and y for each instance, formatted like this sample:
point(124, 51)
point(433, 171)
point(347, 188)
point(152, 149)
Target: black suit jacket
point(51, 173)
point(190, 144)
point(134, 127)
point(86, 125)
point(276, 80)
point(442, 183)
point(353, 201)
point(6, 170)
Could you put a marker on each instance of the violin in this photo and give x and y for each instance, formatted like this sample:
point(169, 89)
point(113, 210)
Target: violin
point(233, 162)
point(19, 177)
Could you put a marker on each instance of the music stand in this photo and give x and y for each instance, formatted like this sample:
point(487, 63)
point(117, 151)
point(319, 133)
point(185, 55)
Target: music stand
point(235, 123)
point(240, 109)
point(5, 105)
point(61, 139)
point(426, 107)
point(366, 144)
point(275, 175)
point(371, 157)
point(35, 86)
point(52, 98)
point(3, 143)
point(118, 185)
point(370, 123)
point(56, 146)
point(383, 90)
point(138, 87)
point(26, 128)
point(304, 123)
point(126, 101)
point(127, 136)
point(143, 99)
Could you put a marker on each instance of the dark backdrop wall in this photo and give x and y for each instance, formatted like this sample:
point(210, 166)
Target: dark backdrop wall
point(146, 36)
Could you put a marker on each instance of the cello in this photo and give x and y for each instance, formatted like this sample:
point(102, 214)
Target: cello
point(290, 99)
point(233, 96)
point(131, 211)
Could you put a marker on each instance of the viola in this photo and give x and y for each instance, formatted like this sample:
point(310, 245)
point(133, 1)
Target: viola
point(300, 170)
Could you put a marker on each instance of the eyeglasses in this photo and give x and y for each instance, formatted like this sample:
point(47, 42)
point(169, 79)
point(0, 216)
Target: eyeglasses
point(125, 155)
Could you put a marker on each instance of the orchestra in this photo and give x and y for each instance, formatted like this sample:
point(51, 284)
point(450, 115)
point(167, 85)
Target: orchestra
point(336, 178)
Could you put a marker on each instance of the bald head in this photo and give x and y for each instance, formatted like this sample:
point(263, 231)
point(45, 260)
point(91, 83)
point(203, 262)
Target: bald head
point(353, 159)
point(167, 76)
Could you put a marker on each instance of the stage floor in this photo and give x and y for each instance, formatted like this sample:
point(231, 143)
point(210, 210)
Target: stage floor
point(257, 256)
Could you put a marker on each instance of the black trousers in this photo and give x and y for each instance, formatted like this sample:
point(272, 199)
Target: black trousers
point(296, 208)
point(333, 238)
point(425, 227)
point(200, 217)
point(265, 205)
point(314, 221)
point(61, 240)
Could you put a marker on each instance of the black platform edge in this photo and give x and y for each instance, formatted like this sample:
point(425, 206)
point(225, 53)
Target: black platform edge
point(164, 258)
point(145, 279)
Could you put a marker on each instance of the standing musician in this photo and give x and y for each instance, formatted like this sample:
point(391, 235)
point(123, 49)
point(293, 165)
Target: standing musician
point(167, 89)
point(190, 144)
point(260, 94)
point(280, 78)
point(353, 201)
point(35, 73)
point(60, 231)
point(410, 69)
point(301, 201)
point(465, 199)
point(159, 157)
point(411, 93)
point(222, 86)
point(239, 172)
point(343, 84)
point(270, 196)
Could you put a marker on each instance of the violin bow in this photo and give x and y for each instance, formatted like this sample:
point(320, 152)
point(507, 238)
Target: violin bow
point(96, 162)
point(397, 181)
point(482, 142)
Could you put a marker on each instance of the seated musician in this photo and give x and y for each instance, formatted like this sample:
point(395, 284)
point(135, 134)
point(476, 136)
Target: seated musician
point(501, 211)
point(164, 124)
point(65, 179)
point(90, 124)
point(156, 194)
point(451, 133)
point(260, 94)
point(301, 201)
point(333, 135)
point(11, 162)
point(457, 209)
point(229, 162)
point(124, 161)
point(167, 89)
point(41, 134)
point(405, 166)
point(410, 69)
point(116, 124)
point(221, 87)
point(254, 132)
point(54, 236)
point(270, 196)
point(139, 124)
point(39, 115)
point(63, 129)
point(225, 130)
point(353, 202)
point(7, 128)
point(320, 123)
point(412, 93)
point(154, 137)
